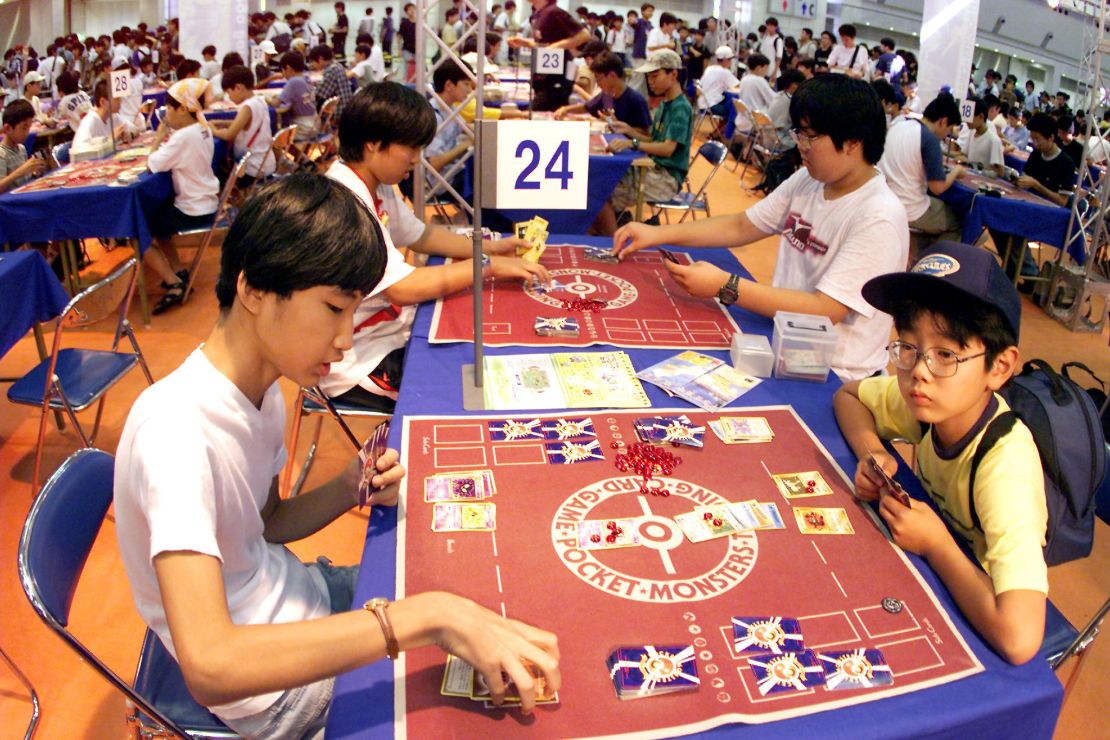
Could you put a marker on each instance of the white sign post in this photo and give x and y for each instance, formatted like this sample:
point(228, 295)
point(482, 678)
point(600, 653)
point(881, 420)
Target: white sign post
point(120, 82)
point(542, 165)
point(967, 110)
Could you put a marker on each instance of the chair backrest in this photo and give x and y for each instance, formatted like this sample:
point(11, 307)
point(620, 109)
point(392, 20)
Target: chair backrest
point(714, 152)
point(60, 153)
point(326, 117)
point(111, 294)
point(281, 147)
point(57, 538)
point(761, 119)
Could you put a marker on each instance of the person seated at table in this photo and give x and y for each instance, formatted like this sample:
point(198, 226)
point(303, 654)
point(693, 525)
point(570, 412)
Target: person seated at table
point(913, 165)
point(369, 64)
point(187, 68)
point(754, 90)
point(258, 634)
point(297, 95)
point(585, 84)
point(1015, 137)
point(130, 105)
point(914, 103)
point(215, 89)
point(779, 112)
point(616, 100)
point(184, 148)
point(838, 221)
point(891, 99)
point(270, 68)
point(32, 86)
point(506, 112)
point(1065, 138)
point(452, 85)
point(668, 143)
point(75, 102)
point(148, 75)
point(15, 167)
point(717, 79)
point(103, 119)
point(957, 317)
point(209, 67)
point(381, 134)
point(980, 144)
point(250, 130)
point(334, 83)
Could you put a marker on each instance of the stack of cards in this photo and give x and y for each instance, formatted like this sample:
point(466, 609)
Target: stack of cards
point(890, 487)
point(721, 520)
point(742, 429)
point(653, 670)
point(700, 379)
point(457, 516)
point(558, 326)
point(535, 233)
point(601, 254)
point(464, 485)
point(669, 430)
point(371, 450)
point(460, 679)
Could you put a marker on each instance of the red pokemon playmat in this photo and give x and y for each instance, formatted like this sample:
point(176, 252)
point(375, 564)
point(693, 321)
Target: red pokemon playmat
point(644, 307)
point(543, 519)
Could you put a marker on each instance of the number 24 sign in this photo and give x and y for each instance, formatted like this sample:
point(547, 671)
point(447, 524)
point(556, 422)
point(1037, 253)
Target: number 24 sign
point(535, 164)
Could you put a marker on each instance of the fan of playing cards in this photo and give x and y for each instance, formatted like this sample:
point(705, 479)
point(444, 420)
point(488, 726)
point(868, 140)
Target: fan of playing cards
point(535, 233)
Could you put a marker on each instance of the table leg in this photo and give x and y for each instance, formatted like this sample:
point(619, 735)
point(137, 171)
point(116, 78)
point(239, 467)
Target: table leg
point(68, 269)
point(144, 298)
point(638, 177)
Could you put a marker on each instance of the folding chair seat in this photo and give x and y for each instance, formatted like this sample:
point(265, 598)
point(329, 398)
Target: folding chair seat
point(72, 379)
point(690, 202)
point(323, 144)
point(744, 130)
point(284, 151)
point(57, 537)
point(314, 402)
point(225, 215)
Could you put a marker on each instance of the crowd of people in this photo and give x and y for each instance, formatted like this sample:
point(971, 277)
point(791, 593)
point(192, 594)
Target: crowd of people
point(197, 512)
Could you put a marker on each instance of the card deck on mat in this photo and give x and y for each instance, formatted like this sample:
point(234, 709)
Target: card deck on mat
point(791, 671)
point(479, 691)
point(470, 485)
point(822, 521)
point(455, 516)
point(652, 670)
point(600, 254)
point(754, 635)
point(571, 428)
point(802, 485)
point(746, 428)
point(855, 669)
point(511, 430)
point(568, 453)
point(557, 326)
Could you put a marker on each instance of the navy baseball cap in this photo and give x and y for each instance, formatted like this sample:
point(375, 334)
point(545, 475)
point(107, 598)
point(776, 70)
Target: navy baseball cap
point(962, 270)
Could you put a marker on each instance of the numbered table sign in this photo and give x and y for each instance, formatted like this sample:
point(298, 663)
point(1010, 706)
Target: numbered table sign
point(121, 83)
point(257, 56)
point(535, 164)
point(967, 110)
point(548, 61)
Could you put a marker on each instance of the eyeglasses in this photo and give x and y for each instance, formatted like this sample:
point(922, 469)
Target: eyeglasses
point(942, 363)
point(804, 139)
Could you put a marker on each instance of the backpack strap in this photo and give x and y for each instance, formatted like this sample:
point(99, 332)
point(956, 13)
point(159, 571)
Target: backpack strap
point(998, 428)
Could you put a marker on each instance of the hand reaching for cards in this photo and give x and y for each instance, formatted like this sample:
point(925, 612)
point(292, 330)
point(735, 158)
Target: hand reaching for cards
point(385, 485)
point(514, 268)
point(868, 484)
point(915, 528)
point(509, 246)
point(494, 645)
point(633, 237)
point(700, 279)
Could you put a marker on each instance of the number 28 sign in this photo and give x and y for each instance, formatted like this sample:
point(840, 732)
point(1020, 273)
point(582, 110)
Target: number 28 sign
point(535, 164)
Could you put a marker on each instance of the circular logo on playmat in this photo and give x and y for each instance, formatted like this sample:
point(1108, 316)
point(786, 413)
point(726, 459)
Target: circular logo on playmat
point(655, 578)
point(581, 282)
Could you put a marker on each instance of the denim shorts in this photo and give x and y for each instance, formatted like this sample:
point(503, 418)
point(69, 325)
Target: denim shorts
point(302, 712)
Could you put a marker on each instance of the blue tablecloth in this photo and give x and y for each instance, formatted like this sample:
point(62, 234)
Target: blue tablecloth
point(1002, 702)
point(606, 170)
point(29, 293)
point(157, 95)
point(1046, 222)
point(1016, 162)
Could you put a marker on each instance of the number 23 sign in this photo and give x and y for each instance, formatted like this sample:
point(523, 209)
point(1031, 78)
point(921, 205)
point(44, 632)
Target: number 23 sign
point(541, 165)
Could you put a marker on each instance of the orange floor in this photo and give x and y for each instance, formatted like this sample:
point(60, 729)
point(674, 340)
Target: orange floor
point(76, 703)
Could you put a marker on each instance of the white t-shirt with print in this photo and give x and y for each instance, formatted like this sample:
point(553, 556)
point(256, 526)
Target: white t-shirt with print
point(835, 246)
point(193, 470)
point(380, 326)
point(985, 148)
point(257, 139)
point(187, 155)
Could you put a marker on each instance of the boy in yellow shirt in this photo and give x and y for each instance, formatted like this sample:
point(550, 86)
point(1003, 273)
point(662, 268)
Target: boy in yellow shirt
point(957, 318)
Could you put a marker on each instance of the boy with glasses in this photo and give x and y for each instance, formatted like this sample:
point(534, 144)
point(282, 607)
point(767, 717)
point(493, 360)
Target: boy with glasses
point(957, 317)
point(838, 221)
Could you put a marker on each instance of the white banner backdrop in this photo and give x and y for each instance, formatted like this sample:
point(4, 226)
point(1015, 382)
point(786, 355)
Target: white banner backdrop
point(948, 29)
point(222, 23)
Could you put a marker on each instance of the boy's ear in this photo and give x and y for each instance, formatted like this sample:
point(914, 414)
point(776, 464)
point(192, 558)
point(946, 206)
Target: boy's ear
point(249, 296)
point(1005, 365)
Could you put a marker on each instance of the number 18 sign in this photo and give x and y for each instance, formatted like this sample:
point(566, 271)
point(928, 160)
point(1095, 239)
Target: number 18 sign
point(535, 164)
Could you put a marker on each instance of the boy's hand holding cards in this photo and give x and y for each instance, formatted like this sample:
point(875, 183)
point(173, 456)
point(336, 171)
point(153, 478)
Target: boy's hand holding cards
point(371, 450)
point(535, 233)
point(888, 486)
point(460, 679)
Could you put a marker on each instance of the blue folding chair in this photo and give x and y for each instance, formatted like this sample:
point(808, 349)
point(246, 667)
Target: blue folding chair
point(57, 537)
point(34, 723)
point(72, 379)
point(60, 153)
point(687, 201)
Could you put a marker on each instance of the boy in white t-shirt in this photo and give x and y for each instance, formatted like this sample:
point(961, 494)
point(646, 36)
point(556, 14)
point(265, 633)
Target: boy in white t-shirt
point(183, 147)
point(369, 64)
point(250, 130)
point(201, 528)
point(382, 132)
point(840, 225)
point(75, 102)
point(981, 144)
point(716, 79)
point(103, 119)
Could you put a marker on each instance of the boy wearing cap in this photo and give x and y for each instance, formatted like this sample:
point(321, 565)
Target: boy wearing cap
point(717, 79)
point(668, 142)
point(839, 226)
point(957, 317)
point(32, 86)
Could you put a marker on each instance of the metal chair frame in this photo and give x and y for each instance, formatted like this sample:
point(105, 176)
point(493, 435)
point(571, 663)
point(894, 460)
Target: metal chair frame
point(743, 135)
point(54, 395)
point(764, 141)
point(95, 503)
point(146, 110)
point(313, 401)
point(715, 153)
point(223, 211)
point(323, 143)
point(33, 724)
point(702, 108)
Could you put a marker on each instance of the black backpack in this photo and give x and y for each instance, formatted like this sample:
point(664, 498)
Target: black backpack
point(1068, 432)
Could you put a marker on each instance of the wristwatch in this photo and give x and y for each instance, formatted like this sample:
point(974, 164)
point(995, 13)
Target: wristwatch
point(729, 292)
point(377, 607)
point(635, 144)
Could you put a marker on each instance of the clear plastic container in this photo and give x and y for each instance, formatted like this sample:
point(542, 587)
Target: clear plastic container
point(803, 346)
point(751, 354)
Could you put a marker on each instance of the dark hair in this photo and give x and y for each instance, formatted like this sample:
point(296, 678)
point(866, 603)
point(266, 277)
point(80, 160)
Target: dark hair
point(887, 42)
point(232, 59)
point(1043, 124)
point(67, 82)
point(385, 113)
point(645, 6)
point(294, 60)
point(808, 31)
point(790, 77)
point(980, 107)
point(593, 48)
point(364, 49)
point(101, 92)
point(771, 20)
point(209, 50)
point(607, 63)
point(172, 102)
point(471, 43)
point(887, 93)
point(992, 101)
point(449, 71)
point(844, 109)
point(666, 18)
point(17, 112)
point(955, 316)
point(807, 63)
point(847, 29)
point(830, 36)
point(320, 51)
point(187, 67)
point(341, 5)
point(1065, 123)
point(301, 232)
point(237, 75)
point(363, 38)
point(757, 60)
point(1030, 83)
point(943, 106)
